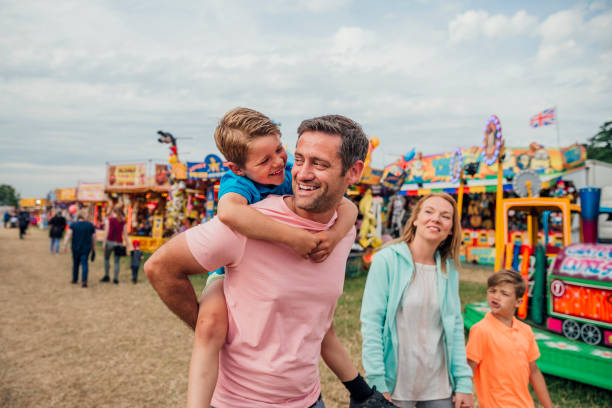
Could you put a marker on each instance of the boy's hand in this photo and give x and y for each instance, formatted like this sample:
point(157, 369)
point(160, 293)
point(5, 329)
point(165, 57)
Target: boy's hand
point(303, 242)
point(327, 242)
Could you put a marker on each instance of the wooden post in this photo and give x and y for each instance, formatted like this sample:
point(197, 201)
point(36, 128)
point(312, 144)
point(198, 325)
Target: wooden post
point(500, 239)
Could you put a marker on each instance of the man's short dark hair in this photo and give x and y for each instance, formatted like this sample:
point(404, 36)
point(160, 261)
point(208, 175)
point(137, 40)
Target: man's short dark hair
point(354, 145)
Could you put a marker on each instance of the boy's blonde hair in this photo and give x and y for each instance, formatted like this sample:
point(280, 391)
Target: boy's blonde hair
point(238, 128)
point(511, 277)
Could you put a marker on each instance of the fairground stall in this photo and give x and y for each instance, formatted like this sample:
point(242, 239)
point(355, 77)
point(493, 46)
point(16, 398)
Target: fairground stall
point(141, 190)
point(160, 200)
point(374, 195)
point(65, 199)
point(92, 198)
point(36, 208)
point(446, 172)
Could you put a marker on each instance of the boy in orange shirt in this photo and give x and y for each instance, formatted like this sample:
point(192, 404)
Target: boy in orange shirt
point(502, 350)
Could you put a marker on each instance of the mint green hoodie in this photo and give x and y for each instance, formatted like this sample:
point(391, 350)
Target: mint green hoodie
point(391, 271)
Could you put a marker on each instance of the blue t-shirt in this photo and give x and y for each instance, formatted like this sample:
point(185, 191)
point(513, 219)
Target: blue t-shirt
point(251, 190)
point(82, 231)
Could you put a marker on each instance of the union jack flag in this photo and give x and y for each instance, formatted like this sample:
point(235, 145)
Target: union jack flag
point(544, 118)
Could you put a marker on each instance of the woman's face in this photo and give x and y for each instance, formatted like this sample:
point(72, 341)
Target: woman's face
point(435, 220)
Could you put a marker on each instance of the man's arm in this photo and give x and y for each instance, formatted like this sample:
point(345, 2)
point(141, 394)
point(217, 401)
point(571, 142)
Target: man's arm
point(168, 270)
point(233, 211)
point(536, 379)
point(67, 238)
point(347, 216)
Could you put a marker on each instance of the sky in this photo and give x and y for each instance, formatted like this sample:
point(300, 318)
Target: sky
point(83, 84)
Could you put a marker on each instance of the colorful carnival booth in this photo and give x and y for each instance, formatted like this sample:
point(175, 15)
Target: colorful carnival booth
point(36, 207)
point(65, 199)
point(161, 200)
point(91, 197)
point(467, 171)
point(569, 298)
point(141, 189)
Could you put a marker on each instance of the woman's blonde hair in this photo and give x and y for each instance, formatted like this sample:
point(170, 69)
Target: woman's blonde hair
point(450, 247)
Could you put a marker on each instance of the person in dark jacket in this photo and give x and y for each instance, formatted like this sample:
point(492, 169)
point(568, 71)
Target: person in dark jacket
point(83, 234)
point(57, 226)
point(24, 221)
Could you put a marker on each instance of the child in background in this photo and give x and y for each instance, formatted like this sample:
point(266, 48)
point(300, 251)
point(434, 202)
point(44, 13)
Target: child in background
point(251, 143)
point(136, 260)
point(502, 350)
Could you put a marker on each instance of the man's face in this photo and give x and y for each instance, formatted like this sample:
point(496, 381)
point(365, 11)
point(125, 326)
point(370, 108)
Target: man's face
point(318, 183)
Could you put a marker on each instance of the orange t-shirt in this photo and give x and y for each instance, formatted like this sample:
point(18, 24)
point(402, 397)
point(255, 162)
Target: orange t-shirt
point(503, 355)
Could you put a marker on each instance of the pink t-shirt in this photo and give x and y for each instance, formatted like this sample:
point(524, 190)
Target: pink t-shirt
point(280, 307)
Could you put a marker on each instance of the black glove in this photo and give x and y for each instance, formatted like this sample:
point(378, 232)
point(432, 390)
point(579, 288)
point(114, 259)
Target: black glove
point(93, 255)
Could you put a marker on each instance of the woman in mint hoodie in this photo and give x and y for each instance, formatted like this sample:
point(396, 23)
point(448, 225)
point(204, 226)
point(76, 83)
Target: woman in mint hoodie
point(413, 343)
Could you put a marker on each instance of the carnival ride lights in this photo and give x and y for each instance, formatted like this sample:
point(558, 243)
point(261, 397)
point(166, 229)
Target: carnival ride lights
point(491, 141)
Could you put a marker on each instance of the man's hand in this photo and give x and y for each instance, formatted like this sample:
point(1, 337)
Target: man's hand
point(463, 400)
point(327, 242)
point(303, 242)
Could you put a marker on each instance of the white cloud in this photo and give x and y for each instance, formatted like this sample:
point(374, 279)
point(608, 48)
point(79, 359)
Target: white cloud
point(568, 34)
point(474, 24)
point(87, 82)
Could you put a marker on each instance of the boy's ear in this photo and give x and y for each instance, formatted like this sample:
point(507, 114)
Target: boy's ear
point(519, 301)
point(235, 168)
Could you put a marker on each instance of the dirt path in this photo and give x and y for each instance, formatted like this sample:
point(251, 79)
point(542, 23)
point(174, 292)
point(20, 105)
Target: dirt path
point(65, 346)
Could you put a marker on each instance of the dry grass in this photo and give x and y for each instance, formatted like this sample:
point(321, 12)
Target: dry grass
point(107, 345)
point(65, 346)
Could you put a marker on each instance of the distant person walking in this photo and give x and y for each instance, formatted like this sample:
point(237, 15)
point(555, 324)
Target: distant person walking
point(136, 260)
point(24, 221)
point(115, 233)
point(7, 219)
point(83, 234)
point(57, 225)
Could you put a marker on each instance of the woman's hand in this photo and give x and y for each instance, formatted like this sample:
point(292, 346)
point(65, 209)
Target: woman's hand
point(463, 400)
point(387, 396)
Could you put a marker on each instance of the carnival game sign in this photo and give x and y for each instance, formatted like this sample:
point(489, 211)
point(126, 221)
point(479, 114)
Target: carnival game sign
point(587, 302)
point(91, 192)
point(161, 175)
point(127, 175)
point(211, 168)
point(65, 194)
point(585, 261)
point(546, 162)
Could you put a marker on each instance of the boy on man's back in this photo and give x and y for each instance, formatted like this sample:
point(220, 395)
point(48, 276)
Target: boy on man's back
point(502, 350)
point(251, 143)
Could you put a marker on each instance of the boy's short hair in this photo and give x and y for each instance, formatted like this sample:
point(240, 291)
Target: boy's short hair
point(355, 143)
point(511, 277)
point(238, 128)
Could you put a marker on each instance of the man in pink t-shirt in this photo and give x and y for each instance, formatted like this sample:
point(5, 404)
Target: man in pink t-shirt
point(280, 306)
